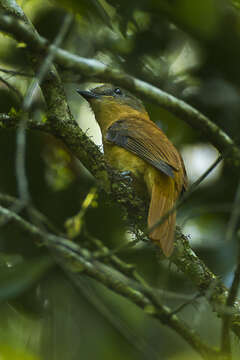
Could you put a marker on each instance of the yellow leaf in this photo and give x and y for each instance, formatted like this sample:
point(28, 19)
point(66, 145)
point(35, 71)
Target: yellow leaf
point(21, 45)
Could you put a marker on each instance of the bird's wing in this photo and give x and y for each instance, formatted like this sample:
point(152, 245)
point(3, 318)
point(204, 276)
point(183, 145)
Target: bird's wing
point(144, 139)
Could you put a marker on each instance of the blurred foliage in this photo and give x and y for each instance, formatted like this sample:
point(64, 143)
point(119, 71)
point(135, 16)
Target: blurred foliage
point(187, 48)
point(8, 353)
point(59, 174)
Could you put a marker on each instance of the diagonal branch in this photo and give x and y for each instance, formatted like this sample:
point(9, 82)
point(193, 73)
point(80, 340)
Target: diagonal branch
point(232, 296)
point(115, 281)
point(227, 318)
point(22, 181)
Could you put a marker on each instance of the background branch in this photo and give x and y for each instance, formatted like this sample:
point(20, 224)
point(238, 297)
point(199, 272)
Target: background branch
point(233, 292)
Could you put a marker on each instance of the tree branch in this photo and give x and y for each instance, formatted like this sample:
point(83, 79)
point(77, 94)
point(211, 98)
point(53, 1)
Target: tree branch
point(227, 317)
point(230, 301)
point(115, 281)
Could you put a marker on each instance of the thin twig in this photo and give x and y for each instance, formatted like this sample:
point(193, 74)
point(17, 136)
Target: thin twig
point(187, 303)
point(21, 175)
point(228, 316)
point(12, 88)
point(40, 217)
point(15, 72)
point(235, 215)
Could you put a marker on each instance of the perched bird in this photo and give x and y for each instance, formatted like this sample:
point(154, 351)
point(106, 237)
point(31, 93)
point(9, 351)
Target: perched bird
point(132, 142)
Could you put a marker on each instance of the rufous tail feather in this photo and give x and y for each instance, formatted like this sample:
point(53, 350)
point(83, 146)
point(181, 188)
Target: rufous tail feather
point(161, 203)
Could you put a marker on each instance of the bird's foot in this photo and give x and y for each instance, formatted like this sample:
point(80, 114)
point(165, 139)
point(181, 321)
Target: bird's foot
point(126, 177)
point(122, 181)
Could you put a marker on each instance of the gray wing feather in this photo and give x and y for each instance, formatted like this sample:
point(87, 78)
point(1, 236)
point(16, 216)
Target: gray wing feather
point(119, 135)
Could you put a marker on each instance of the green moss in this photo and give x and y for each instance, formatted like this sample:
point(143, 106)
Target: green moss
point(44, 119)
point(12, 112)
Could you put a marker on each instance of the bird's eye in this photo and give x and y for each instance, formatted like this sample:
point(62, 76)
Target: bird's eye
point(117, 91)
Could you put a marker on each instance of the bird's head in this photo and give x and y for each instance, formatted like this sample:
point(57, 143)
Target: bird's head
point(109, 102)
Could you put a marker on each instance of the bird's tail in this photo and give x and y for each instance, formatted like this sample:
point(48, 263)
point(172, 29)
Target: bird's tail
point(162, 200)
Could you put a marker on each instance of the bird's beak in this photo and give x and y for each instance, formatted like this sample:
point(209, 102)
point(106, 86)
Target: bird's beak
point(88, 95)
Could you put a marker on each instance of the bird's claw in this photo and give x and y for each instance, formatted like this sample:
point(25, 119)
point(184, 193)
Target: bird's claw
point(127, 176)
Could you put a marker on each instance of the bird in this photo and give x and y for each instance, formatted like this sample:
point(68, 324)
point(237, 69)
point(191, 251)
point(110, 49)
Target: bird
point(133, 143)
